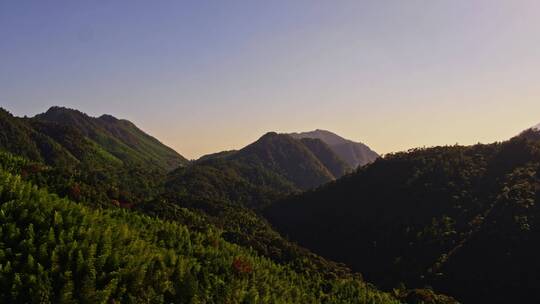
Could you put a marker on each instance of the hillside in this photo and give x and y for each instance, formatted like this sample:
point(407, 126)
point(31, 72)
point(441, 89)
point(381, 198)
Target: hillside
point(355, 154)
point(65, 136)
point(18, 136)
point(53, 250)
point(121, 138)
point(464, 220)
point(288, 157)
point(337, 166)
point(79, 157)
point(212, 199)
point(271, 167)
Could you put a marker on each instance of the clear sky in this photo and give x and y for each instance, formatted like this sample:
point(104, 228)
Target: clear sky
point(205, 76)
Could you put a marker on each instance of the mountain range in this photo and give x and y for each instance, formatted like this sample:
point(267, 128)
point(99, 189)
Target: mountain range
point(105, 164)
point(462, 219)
point(67, 135)
point(290, 218)
point(273, 166)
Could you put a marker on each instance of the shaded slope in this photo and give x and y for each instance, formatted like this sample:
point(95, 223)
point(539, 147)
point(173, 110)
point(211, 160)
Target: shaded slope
point(18, 136)
point(353, 153)
point(288, 157)
point(327, 157)
point(230, 181)
point(273, 166)
point(447, 217)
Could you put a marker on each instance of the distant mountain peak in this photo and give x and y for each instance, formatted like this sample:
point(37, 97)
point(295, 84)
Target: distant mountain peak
point(287, 156)
point(353, 153)
point(269, 135)
point(108, 118)
point(55, 110)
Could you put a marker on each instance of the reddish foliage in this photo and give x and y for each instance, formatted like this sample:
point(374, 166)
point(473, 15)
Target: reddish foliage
point(75, 192)
point(126, 205)
point(241, 266)
point(33, 168)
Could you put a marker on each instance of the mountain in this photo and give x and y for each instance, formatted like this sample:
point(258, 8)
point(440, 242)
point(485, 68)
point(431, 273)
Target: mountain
point(327, 157)
point(100, 160)
point(86, 217)
point(271, 167)
point(355, 154)
point(17, 135)
point(68, 136)
point(288, 157)
point(226, 188)
point(531, 133)
point(464, 220)
point(119, 137)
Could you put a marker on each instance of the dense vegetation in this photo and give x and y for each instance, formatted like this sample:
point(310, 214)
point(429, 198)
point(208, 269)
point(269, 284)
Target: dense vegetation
point(216, 190)
point(56, 251)
point(67, 137)
point(273, 166)
point(99, 160)
point(231, 181)
point(288, 157)
point(464, 220)
point(209, 244)
point(119, 137)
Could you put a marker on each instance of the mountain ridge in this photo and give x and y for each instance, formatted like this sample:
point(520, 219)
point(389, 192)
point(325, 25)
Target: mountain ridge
point(118, 136)
point(355, 154)
point(428, 216)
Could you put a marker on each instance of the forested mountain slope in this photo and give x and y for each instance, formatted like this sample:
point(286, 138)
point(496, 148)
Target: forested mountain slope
point(116, 191)
point(464, 220)
point(103, 170)
point(273, 166)
point(288, 157)
point(56, 251)
point(337, 166)
point(119, 137)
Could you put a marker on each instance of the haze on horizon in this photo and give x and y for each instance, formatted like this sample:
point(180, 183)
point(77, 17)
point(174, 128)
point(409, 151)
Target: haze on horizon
point(207, 76)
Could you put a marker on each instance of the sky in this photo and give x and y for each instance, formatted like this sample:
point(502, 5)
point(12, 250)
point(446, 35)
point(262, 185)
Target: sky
point(205, 76)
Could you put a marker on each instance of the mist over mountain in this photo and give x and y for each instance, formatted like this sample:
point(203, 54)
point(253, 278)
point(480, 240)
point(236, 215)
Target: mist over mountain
point(355, 154)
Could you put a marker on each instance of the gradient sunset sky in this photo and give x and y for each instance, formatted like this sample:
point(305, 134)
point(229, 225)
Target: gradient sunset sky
point(205, 76)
